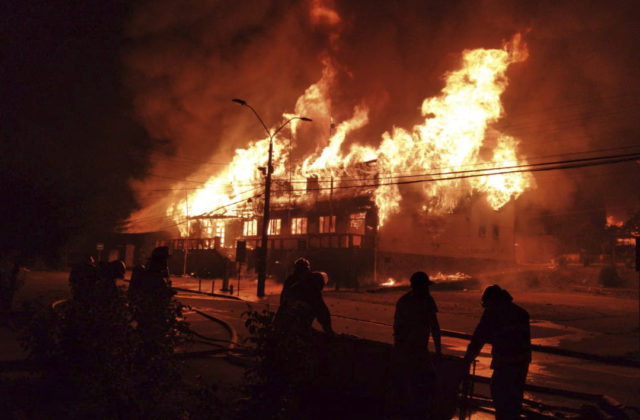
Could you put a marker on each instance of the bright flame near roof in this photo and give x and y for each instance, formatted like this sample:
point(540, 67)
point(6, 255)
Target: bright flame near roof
point(449, 140)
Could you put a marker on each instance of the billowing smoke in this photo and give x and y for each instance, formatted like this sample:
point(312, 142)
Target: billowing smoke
point(577, 91)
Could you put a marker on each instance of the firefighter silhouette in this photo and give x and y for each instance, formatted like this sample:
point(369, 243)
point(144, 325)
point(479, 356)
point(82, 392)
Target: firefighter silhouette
point(414, 321)
point(505, 326)
point(301, 300)
point(150, 294)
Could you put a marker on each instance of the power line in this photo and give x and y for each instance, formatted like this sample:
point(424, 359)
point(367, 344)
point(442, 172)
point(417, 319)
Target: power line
point(523, 165)
point(231, 204)
point(453, 175)
point(171, 217)
point(532, 165)
point(446, 170)
point(573, 164)
point(490, 172)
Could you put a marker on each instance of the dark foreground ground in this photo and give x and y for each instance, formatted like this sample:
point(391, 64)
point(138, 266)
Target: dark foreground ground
point(573, 312)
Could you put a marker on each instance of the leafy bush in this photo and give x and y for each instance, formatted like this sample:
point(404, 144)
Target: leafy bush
point(97, 363)
point(284, 364)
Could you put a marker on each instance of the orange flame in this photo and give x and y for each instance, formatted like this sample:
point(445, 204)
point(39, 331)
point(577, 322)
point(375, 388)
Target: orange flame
point(449, 140)
point(454, 130)
point(390, 282)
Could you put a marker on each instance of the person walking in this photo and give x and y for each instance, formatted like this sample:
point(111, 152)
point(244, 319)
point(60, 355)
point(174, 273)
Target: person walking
point(415, 320)
point(505, 326)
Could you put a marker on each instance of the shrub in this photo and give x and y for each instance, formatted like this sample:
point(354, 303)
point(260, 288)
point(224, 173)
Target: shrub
point(284, 364)
point(95, 363)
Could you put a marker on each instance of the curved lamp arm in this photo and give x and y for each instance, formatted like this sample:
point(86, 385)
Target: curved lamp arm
point(288, 121)
point(244, 103)
point(271, 135)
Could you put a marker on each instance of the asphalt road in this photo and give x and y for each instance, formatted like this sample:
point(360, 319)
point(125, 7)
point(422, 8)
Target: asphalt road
point(589, 323)
point(581, 322)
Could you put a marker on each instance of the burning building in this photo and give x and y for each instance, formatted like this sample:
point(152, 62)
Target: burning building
point(336, 231)
point(340, 234)
point(450, 112)
point(436, 190)
point(435, 195)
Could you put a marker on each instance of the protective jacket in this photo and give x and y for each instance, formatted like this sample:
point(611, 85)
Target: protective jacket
point(414, 320)
point(301, 302)
point(507, 330)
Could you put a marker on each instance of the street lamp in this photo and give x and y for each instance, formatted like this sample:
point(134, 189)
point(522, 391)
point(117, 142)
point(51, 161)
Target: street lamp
point(262, 256)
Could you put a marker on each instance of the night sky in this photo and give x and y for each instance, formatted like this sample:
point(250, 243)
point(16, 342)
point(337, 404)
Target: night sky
point(97, 95)
point(70, 142)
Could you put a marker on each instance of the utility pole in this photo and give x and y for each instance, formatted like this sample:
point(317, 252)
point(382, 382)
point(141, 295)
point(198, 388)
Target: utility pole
point(186, 241)
point(262, 254)
point(262, 257)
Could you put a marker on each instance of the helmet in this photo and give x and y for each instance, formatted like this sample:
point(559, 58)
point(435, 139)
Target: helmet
point(495, 294)
point(420, 278)
point(302, 264)
point(160, 253)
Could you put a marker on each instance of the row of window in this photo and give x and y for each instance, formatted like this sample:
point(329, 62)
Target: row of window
point(299, 225)
point(482, 231)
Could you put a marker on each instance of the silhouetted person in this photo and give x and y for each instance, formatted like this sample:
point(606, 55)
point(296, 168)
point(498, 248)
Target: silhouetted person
point(9, 284)
point(150, 294)
point(153, 276)
point(109, 273)
point(301, 300)
point(414, 321)
point(83, 279)
point(321, 278)
point(155, 314)
point(505, 326)
point(294, 356)
point(135, 281)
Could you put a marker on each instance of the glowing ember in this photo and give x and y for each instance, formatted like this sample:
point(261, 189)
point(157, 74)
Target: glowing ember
point(390, 282)
point(613, 221)
point(447, 143)
point(442, 277)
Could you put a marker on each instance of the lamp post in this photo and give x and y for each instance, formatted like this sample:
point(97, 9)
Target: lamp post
point(262, 256)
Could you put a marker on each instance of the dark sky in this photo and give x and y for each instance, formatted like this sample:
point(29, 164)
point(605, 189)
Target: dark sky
point(96, 94)
point(69, 139)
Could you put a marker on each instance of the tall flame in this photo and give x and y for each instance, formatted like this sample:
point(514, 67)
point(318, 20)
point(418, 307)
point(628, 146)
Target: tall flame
point(449, 140)
point(452, 134)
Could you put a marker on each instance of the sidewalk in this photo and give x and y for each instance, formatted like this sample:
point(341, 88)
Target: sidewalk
point(245, 288)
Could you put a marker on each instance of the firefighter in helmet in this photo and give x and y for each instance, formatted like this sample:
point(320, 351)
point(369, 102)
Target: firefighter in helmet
point(505, 326)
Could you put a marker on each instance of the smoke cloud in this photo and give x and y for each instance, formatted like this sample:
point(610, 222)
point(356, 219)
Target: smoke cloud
point(577, 91)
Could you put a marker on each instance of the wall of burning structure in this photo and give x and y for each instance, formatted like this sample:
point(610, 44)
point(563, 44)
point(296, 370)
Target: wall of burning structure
point(337, 235)
point(470, 238)
point(340, 236)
